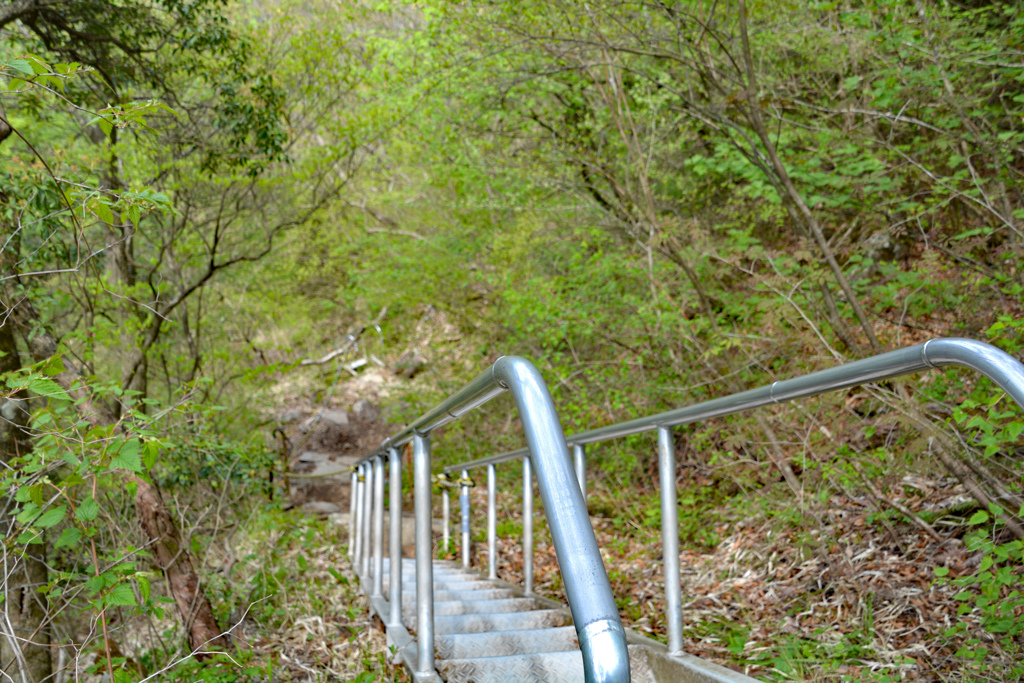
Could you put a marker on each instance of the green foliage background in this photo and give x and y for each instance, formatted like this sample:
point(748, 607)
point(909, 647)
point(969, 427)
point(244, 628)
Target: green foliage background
point(628, 194)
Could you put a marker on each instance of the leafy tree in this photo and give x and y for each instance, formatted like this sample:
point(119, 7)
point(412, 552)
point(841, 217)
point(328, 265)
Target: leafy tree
point(144, 48)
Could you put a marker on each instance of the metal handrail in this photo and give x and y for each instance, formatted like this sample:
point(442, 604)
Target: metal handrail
point(984, 358)
point(595, 615)
point(1000, 367)
point(490, 460)
point(979, 356)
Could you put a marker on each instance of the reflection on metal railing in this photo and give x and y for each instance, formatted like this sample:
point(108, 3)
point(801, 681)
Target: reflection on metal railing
point(984, 358)
point(599, 630)
point(562, 484)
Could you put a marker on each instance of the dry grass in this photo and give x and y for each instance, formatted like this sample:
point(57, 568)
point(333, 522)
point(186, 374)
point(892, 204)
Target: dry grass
point(313, 623)
point(838, 594)
point(297, 615)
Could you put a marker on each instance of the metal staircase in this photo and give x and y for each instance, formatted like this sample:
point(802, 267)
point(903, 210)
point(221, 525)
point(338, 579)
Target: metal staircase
point(485, 630)
point(448, 622)
point(489, 631)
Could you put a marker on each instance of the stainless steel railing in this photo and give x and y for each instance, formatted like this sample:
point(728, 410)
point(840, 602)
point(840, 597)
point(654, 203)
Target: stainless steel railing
point(562, 484)
point(598, 627)
point(989, 361)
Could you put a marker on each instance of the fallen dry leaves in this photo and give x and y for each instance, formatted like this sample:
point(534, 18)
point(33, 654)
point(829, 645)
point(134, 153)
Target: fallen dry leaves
point(849, 599)
point(318, 628)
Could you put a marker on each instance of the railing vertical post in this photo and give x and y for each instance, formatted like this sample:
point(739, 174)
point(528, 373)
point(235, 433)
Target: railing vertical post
point(579, 459)
point(367, 545)
point(378, 528)
point(445, 516)
point(424, 555)
point(352, 513)
point(595, 614)
point(395, 550)
point(527, 526)
point(670, 539)
point(357, 533)
point(492, 523)
point(464, 509)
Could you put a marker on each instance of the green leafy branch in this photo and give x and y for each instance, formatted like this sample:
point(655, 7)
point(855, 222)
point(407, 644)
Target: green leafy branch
point(129, 205)
point(29, 71)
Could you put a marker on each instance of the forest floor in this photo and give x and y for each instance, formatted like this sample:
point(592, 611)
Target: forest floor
point(308, 621)
point(855, 598)
point(777, 586)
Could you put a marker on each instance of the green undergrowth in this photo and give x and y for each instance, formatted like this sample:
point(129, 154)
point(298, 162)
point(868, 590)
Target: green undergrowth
point(295, 609)
point(994, 596)
point(637, 514)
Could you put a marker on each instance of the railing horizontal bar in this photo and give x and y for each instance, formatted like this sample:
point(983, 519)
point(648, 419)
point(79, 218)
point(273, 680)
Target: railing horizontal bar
point(474, 394)
point(490, 460)
point(979, 356)
point(884, 366)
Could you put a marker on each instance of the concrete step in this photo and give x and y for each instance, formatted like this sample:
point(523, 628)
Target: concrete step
point(409, 571)
point(462, 596)
point(544, 667)
point(456, 584)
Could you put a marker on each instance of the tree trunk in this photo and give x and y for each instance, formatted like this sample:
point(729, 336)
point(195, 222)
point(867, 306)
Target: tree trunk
point(24, 636)
point(174, 559)
point(119, 261)
point(791, 197)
